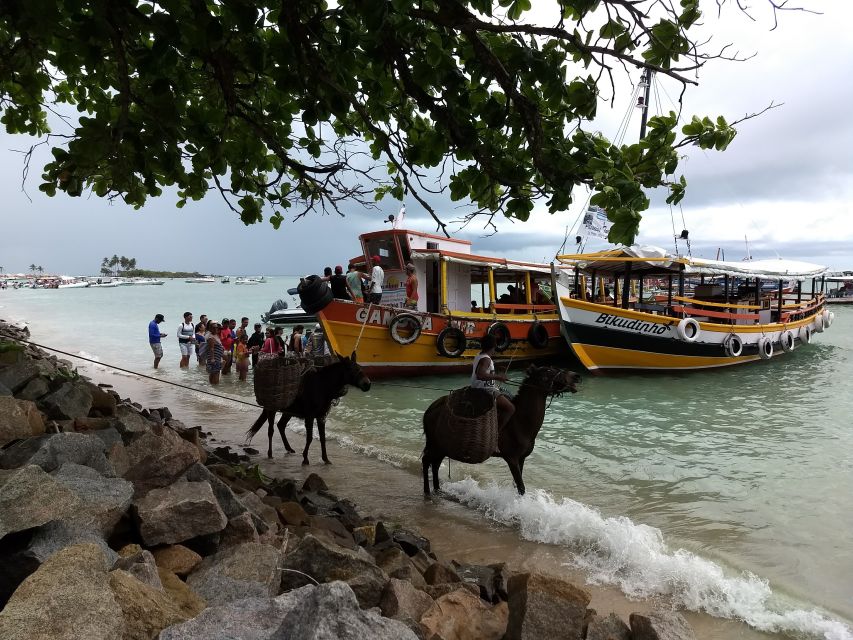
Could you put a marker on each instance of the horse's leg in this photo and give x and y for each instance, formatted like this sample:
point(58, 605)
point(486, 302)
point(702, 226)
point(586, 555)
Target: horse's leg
point(269, 414)
point(282, 423)
point(309, 436)
point(425, 463)
point(515, 469)
point(436, 464)
point(321, 429)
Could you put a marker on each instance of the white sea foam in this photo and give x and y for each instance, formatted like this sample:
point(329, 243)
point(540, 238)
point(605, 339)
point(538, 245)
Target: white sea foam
point(101, 367)
point(635, 557)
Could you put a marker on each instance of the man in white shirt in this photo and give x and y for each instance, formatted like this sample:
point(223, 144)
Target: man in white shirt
point(377, 276)
point(186, 339)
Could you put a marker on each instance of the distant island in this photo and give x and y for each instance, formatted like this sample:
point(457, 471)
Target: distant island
point(126, 268)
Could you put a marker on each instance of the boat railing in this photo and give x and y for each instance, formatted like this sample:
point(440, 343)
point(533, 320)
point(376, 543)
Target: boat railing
point(722, 305)
point(707, 313)
point(524, 308)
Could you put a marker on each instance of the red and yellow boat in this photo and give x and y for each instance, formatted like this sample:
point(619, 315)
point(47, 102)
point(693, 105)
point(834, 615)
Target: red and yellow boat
point(442, 334)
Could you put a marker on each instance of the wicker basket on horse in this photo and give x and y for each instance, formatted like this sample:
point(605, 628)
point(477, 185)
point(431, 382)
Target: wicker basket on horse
point(468, 431)
point(277, 382)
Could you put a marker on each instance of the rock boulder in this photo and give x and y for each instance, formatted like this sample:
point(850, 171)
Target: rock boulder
point(179, 512)
point(146, 610)
point(103, 501)
point(460, 615)
point(29, 497)
point(19, 419)
point(242, 571)
point(660, 625)
point(545, 607)
point(71, 400)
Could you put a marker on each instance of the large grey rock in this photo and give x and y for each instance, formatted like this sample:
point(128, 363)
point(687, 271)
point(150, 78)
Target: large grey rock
point(34, 389)
point(400, 600)
point(461, 615)
point(246, 619)
point(246, 570)
point(145, 610)
point(29, 498)
point(69, 401)
point(325, 562)
point(545, 607)
point(58, 534)
point(262, 510)
point(228, 501)
point(19, 419)
point(609, 628)
point(331, 612)
point(67, 598)
point(491, 580)
point(397, 564)
point(109, 436)
point(239, 530)
point(179, 512)
point(129, 423)
point(103, 402)
point(141, 565)
point(103, 501)
point(660, 625)
point(16, 376)
point(52, 451)
point(157, 458)
point(4, 390)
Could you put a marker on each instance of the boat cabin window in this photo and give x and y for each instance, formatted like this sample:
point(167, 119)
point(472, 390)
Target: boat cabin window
point(386, 248)
point(405, 252)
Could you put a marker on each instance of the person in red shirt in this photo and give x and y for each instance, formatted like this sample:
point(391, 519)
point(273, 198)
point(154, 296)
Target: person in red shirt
point(411, 288)
point(226, 337)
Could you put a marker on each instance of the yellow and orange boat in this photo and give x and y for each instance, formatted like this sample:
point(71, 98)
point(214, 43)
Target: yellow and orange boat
point(442, 334)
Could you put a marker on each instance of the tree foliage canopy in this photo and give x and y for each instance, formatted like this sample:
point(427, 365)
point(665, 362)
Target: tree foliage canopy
point(301, 105)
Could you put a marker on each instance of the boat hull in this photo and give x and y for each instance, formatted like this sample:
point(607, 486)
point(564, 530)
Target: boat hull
point(607, 338)
point(365, 329)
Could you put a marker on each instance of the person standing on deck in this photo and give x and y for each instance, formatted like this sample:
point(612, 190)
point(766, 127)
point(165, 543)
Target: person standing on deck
point(354, 278)
point(484, 377)
point(154, 336)
point(186, 339)
point(377, 277)
point(411, 288)
point(338, 284)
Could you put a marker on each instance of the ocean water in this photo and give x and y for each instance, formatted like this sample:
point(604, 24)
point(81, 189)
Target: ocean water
point(724, 492)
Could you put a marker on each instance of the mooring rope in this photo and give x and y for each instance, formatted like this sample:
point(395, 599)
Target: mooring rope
point(136, 373)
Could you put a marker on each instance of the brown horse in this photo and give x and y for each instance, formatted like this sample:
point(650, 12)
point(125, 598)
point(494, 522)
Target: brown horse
point(318, 390)
point(516, 438)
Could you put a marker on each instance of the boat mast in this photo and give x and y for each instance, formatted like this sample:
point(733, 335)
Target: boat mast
point(643, 102)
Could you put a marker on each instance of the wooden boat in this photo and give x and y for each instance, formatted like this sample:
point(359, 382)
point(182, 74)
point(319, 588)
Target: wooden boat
point(442, 334)
point(721, 324)
point(843, 291)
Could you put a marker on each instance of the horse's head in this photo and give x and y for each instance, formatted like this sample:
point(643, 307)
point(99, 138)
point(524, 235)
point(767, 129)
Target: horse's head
point(353, 373)
point(552, 380)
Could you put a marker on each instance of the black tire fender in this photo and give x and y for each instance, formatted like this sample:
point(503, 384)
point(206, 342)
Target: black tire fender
point(500, 332)
point(538, 335)
point(404, 319)
point(451, 334)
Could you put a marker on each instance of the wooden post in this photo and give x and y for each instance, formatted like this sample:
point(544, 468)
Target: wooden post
point(822, 284)
point(758, 292)
point(491, 290)
point(640, 296)
point(779, 304)
point(681, 282)
point(527, 290)
point(592, 293)
point(726, 287)
point(443, 308)
point(799, 291)
point(626, 287)
point(577, 284)
point(669, 291)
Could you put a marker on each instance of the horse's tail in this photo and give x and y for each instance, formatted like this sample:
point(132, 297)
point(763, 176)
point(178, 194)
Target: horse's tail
point(257, 426)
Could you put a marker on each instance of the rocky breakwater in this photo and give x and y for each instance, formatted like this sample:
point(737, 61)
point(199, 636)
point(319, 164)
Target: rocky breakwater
point(117, 522)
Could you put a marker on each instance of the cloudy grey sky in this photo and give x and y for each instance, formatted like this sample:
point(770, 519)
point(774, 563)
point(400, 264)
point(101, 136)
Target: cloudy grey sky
point(786, 182)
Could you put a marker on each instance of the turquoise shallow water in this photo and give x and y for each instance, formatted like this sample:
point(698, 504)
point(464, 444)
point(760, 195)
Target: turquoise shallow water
point(726, 491)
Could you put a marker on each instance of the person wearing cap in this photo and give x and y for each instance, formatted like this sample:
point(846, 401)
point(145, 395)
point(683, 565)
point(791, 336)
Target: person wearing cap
point(154, 336)
point(256, 343)
point(411, 288)
point(186, 339)
point(377, 277)
point(338, 284)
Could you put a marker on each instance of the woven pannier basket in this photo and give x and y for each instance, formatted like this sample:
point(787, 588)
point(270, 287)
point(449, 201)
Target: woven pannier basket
point(276, 383)
point(469, 430)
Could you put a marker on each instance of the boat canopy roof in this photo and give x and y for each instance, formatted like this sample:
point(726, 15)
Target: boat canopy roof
point(647, 259)
point(480, 261)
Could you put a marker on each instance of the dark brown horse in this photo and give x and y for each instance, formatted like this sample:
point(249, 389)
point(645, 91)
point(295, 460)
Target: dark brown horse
point(318, 390)
point(516, 438)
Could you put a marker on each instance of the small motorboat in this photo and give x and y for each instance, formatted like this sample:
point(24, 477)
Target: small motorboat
point(225, 280)
point(202, 280)
point(280, 313)
point(73, 283)
point(104, 283)
point(148, 281)
point(247, 281)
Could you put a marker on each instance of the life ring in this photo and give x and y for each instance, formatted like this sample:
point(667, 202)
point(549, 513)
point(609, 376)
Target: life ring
point(733, 345)
point(688, 334)
point(806, 334)
point(538, 335)
point(314, 294)
point(818, 323)
point(765, 348)
point(410, 326)
point(786, 340)
point(500, 332)
point(451, 336)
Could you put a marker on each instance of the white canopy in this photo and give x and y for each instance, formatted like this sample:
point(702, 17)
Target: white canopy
point(764, 269)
